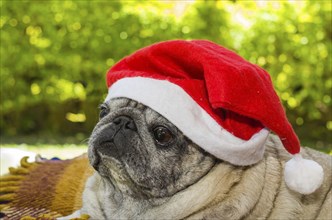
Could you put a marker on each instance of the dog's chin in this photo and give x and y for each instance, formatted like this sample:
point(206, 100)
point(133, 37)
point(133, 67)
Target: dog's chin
point(96, 154)
point(106, 165)
point(114, 172)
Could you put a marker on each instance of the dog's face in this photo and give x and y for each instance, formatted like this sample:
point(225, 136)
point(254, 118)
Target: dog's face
point(140, 153)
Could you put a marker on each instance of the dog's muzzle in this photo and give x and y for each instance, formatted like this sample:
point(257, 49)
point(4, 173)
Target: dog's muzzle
point(108, 143)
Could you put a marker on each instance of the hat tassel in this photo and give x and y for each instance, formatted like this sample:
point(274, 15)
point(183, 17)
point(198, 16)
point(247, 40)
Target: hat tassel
point(302, 175)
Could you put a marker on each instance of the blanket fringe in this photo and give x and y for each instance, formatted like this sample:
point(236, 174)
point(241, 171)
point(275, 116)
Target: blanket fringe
point(53, 216)
point(9, 183)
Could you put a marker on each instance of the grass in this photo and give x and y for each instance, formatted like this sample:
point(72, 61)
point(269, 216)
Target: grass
point(12, 149)
point(48, 146)
point(64, 151)
point(11, 154)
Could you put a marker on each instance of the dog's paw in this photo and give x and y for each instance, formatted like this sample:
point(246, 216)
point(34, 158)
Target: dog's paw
point(75, 216)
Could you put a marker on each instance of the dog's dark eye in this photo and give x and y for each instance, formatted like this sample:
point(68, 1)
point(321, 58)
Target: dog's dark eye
point(104, 110)
point(162, 135)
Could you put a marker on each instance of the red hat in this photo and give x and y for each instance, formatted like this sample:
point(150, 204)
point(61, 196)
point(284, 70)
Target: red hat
point(219, 100)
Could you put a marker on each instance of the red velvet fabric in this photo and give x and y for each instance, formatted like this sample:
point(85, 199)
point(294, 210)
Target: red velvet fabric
point(239, 95)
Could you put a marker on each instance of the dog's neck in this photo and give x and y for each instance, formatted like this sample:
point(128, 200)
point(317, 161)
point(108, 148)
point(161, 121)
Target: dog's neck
point(103, 202)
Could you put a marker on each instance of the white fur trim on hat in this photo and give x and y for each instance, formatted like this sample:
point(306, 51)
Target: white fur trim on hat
point(171, 101)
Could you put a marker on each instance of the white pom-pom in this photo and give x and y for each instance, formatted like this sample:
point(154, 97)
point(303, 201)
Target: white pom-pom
point(302, 175)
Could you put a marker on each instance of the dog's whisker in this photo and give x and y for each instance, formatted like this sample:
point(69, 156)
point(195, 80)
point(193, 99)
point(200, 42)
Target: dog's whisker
point(85, 141)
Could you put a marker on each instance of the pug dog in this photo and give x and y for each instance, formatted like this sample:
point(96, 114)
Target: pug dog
point(146, 168)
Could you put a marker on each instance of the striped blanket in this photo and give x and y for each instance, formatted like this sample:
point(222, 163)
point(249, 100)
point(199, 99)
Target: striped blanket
point(43, 190)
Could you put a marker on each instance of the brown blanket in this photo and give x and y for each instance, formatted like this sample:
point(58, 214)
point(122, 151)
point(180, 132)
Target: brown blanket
point(43, 190)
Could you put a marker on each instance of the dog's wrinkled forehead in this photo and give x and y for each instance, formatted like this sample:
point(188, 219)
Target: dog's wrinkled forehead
point(118, 103)
point(125, 106)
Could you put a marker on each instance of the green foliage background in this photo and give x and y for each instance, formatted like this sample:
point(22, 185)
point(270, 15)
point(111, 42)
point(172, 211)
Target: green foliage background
point(54, 55)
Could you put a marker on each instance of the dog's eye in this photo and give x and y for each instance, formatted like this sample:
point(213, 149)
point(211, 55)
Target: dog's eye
point(104, 110)
point(162, 135)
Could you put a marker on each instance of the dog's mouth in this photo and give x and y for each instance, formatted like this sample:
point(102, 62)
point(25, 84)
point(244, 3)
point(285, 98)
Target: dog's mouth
point(109, 162)
point(99, 151)
point(112, 169)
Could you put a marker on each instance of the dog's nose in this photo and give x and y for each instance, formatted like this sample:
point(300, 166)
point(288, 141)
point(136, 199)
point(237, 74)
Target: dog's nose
point(124, 122)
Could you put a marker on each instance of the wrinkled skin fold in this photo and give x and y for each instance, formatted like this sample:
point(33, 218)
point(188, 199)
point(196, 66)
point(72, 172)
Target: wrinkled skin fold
point(147, 169)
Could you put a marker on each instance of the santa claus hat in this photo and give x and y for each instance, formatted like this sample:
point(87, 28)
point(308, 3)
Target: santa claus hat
point(219, 100)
